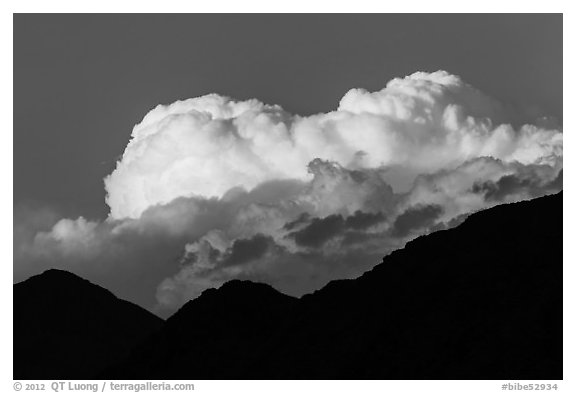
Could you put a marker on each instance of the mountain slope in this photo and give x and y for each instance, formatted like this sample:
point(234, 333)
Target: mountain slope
point(480, 301)
point(212, 335)
point(68, 328)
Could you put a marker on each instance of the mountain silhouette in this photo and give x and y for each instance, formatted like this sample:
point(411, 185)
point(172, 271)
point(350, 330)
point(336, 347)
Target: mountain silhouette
point(68, 328)
point(479, 301)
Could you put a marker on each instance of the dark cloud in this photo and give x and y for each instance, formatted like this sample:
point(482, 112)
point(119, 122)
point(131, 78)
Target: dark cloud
point(514, 184)
point(556, 185)
point(301, 220)
point(361, 220)
point(355, 237)
point(415, 218)
point(246, 250)
point(319, 231)
point(506, 185)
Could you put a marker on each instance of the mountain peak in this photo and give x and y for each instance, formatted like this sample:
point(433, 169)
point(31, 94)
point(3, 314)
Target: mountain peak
point(234, 300)
point(249, 290)
point(57, 274)
point(60, 317)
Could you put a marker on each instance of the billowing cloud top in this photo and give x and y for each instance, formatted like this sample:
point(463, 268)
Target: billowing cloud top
point(245, 189)
point(208, 145)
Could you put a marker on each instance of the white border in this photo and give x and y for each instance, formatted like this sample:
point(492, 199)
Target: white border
point(292, 6)
point(6, 157)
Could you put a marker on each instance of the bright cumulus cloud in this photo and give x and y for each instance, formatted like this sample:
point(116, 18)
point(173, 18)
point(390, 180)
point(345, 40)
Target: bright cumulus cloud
point(245, 189)
point(208, 145)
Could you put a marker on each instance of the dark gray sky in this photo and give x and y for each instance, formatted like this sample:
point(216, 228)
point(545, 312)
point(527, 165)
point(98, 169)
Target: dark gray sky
point(82, 81)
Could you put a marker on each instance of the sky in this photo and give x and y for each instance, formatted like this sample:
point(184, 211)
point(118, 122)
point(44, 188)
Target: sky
point(178, 212)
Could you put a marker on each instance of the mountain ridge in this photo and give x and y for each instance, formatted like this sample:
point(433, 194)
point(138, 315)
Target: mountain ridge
point(482, 300)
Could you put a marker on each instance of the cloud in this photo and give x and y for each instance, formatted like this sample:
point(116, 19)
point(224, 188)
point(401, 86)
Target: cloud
point(246, 250)
point(416, 217)
point(208, 145)
point(517, 183)
point(319, 231)
point(210, 189)
point(361, 220)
